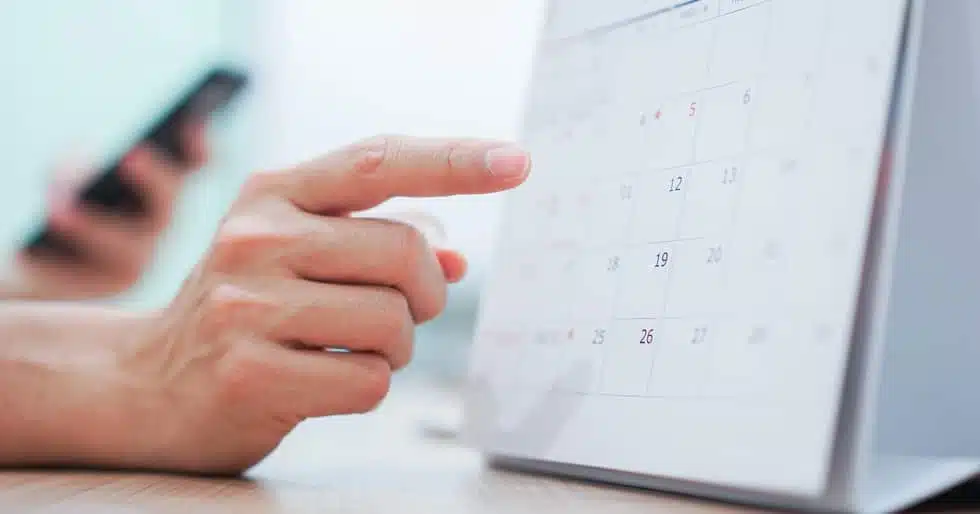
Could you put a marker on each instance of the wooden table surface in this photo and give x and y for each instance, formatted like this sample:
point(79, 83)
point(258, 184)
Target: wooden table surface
point(397, 459)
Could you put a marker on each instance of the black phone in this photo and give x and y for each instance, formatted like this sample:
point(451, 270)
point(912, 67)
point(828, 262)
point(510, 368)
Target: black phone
point(110, 193)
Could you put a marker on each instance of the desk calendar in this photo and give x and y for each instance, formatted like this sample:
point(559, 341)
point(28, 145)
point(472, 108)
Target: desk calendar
point(727, 274)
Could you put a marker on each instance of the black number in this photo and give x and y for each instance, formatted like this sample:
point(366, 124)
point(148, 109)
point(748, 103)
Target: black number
point(714, 255)
point(730, 175)
point(647, 336)
point(675, 184)
point(747, 97)
point(599, 336)
point(625, 192)
point(662, 259)
point(700, 333)
point(613, 264)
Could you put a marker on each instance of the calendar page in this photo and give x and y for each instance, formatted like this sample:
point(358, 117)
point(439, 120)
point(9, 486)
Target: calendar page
point(674, 287)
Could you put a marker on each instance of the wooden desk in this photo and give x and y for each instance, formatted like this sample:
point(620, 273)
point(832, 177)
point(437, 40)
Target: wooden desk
point(382, 462)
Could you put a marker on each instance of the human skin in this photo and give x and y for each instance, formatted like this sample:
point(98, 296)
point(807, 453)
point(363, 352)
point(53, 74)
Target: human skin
point(114, 251)
point(214, 381)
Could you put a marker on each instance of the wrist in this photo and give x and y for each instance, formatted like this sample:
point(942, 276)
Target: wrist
point(67, 398)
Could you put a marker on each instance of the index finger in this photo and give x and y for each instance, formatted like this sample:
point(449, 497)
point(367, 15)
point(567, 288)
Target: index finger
point(365, 174)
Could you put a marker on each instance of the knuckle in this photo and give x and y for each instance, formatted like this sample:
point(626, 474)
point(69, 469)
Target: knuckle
point(396, 330)
point(393, 316)
point(412, 246)
point(226, 308)
point(453, 156)
point(373, 385)
point(440, 298)
point(242, 238)
point(417, 266)
point(240, 371)
point(371, 153)
point(359, 167)
point(259, 184)
point(366, 161)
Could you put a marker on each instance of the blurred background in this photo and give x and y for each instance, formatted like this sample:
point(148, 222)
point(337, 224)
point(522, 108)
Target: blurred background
point(82, 77)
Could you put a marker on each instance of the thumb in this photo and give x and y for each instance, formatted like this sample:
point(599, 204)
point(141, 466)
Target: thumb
point(453, 265)
point(69, 174)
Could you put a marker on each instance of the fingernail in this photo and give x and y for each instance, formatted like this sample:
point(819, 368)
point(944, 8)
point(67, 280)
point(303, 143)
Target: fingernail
point(508, 162)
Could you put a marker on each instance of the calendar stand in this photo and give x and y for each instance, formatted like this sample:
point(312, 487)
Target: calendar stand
point(902, 418)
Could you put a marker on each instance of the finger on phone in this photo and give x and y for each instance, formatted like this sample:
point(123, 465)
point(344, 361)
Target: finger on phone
point(366, 174)
point(101, 238)
point(158, 182)
point(195, 144)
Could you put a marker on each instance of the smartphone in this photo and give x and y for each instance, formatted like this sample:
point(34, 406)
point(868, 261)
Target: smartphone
point(108, 192)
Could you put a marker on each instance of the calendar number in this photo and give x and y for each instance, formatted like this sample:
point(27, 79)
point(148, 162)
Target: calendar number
point(613, 264)
point(729, 175)
point(675, 184)
point(692, 109)
point(714, 255)
point(662, 259)
point(646, 336)
point(700, 334)
point(599, 336)
point(625, 192)
point(747, 97)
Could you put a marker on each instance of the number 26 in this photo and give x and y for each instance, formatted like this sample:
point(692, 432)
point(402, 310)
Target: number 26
point(646, 336)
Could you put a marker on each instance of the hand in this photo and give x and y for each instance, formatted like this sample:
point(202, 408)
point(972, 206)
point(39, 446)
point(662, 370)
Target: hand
point(115, 250)
point(299, 309)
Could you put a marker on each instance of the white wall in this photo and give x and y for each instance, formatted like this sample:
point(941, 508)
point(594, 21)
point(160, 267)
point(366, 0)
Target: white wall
point(336, 71)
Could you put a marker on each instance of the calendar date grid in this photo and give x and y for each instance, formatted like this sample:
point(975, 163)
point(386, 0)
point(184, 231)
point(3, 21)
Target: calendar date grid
point(583, 124)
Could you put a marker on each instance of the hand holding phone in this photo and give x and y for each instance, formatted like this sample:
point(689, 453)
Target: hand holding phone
point(99, 236)
point(110, 193)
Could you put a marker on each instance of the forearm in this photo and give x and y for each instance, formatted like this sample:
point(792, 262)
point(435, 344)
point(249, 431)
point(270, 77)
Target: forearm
point(63, 398)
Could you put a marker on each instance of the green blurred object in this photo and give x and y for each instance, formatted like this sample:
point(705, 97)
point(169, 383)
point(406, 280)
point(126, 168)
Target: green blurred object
point(85, 76)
